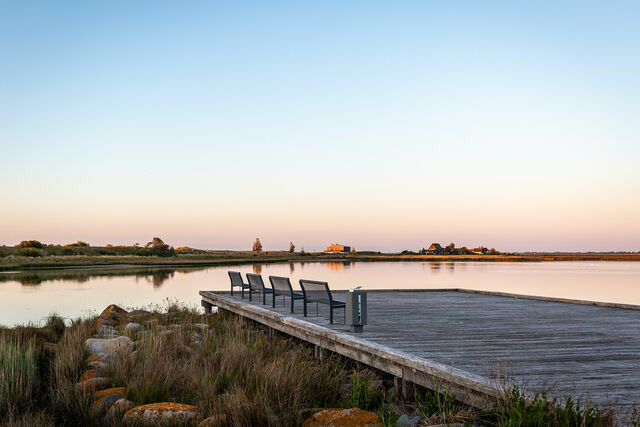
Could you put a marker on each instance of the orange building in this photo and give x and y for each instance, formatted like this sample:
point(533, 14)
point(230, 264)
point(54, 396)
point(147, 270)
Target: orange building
point(336, 248)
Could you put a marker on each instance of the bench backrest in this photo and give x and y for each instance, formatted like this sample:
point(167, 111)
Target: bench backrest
point(236, 278)
point(316, 291)
point(281, 285)
point(255, 282)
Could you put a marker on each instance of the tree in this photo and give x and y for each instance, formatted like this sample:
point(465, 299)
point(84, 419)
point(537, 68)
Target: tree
point(465, 251)
point(292, 247)
point(30, 244)
point(159, 248)
point(451, 248)
point(257, 246)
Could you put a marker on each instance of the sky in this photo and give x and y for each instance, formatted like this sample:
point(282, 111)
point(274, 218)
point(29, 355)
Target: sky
point(382, 125)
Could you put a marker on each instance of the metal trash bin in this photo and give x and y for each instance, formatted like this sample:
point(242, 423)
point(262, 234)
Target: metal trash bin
point(356, 310)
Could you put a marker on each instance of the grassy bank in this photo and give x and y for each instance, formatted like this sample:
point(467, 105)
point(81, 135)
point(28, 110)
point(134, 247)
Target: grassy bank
point(234, 369)
point(11, 259)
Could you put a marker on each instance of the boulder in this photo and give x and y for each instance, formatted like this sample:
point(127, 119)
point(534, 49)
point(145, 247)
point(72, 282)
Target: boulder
point(113, 391)
point(104, 331)
point(353, 417)
point(115, 309)
point(119, 407)
point(97, 357)
point(406, 420)
point(132, 329)
point(214, 420)
point(106, 398)
point(93, 383)
point(92, 373)
point(201, 326)
point(109, 346)
point(97, 364)
point(104, 321)
point(162, 413)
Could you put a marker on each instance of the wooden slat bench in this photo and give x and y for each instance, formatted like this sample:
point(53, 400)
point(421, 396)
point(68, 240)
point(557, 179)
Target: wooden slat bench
point(319, 292)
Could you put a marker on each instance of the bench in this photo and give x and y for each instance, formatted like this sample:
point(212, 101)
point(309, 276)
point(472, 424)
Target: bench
point(318, 292)
point(282, 286)
point(257, 285)
point(237, 282)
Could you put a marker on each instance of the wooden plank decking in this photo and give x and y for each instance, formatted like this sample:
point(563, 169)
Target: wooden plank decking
point(472, 341)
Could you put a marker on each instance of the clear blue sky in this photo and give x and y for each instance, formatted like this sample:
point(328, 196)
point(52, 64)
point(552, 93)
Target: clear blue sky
point(384, 125)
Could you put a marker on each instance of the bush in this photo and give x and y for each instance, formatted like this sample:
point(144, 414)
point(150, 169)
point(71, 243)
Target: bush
point(30, 244)
point(31, 252)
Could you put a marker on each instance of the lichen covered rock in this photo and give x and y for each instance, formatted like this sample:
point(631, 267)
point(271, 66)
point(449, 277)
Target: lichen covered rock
point(214, 421)
point(353, 417)
point(120, 407)
point(93, 383)
point(162, 413)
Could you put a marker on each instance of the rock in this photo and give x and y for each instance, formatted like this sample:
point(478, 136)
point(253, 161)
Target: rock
point(175, 326)
point(106, 398)
point(353, 417)
point(119, 407)
point(201, 326)
point(132, 329)
point(406, 420)
point(119, 391)
point(107, 332)
point(186, 349)
point(109, 346)
point(104, 321)
point(97, 365)
point(97, 357)
point(151, 322)
point(93, 383)
point(91, 373)
point(162, 413)
point(115, 309)
point(214, 420)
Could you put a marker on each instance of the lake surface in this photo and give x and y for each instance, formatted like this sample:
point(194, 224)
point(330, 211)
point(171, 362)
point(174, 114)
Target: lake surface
point(29, 296)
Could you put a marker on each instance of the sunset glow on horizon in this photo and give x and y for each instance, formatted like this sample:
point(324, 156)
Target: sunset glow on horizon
point(381, 126)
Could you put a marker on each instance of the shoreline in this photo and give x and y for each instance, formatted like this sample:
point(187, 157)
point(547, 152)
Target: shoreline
point(243, 258)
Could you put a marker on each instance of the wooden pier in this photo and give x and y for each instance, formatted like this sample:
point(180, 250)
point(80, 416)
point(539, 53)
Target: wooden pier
point(475, 342)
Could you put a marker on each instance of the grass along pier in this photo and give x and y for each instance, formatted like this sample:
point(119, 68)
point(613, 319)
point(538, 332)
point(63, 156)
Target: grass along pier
point(475, 342)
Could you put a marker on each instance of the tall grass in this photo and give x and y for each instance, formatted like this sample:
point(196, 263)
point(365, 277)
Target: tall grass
point(234, 369)
point(19, 373)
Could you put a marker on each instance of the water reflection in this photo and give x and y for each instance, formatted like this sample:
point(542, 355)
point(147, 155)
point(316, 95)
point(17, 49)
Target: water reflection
point(31, 295)
point(338, 265)
point(155, 276)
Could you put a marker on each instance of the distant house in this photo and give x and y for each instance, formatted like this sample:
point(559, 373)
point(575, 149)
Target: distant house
point(435, 249)
point(336, 248)
point(480, 251)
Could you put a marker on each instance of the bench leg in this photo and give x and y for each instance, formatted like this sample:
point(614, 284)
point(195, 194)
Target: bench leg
point(273, 300)
point(304, 305)
point(331, 314)
point(292, 303)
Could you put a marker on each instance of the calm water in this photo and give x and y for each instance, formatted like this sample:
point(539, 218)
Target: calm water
point(31, 296)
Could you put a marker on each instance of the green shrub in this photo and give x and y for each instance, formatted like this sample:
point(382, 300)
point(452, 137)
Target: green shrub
point(517, 410)
point(30, 252)
point(30, 244)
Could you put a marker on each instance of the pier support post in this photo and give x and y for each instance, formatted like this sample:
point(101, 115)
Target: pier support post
point(408, 390)
point(397, 387)
point(319, 353)
point(207, 307)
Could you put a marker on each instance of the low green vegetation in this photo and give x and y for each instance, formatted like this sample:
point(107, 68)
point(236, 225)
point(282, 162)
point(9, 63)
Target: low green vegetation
point(235, 368)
